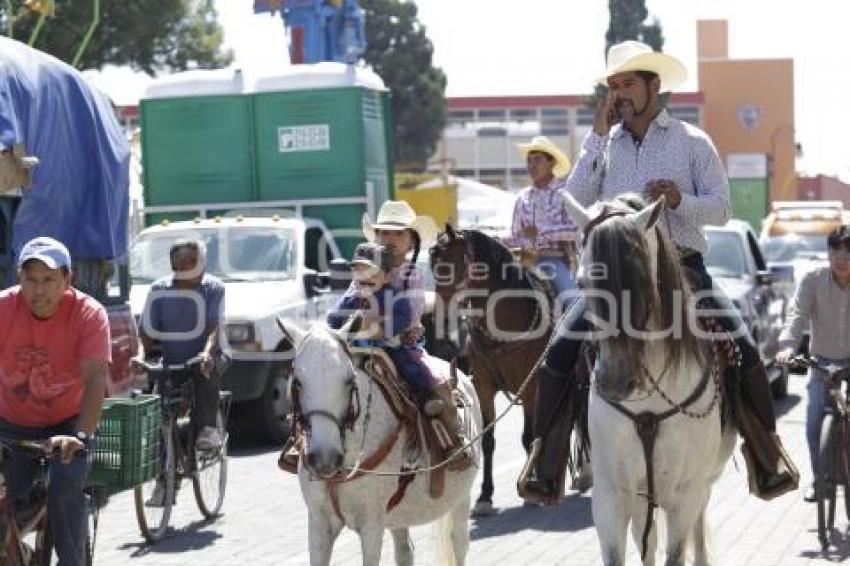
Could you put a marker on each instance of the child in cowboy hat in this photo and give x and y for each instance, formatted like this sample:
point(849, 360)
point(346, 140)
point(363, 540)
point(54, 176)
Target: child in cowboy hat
point(404, 233)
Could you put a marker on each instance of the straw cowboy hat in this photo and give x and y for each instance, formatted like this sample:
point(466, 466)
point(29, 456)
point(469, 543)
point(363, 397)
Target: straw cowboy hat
point(545, 145)
point(399, 215)
point(629, 56)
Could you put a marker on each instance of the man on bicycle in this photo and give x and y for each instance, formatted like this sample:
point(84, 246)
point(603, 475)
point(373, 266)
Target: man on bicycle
point(54, 359)
point(183, 312)
point(822, 302)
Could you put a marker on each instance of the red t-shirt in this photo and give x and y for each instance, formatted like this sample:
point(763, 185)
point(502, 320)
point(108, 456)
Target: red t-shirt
point(41, 383)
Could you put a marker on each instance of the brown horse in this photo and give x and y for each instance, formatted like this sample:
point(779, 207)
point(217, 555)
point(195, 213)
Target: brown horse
point(509, 316)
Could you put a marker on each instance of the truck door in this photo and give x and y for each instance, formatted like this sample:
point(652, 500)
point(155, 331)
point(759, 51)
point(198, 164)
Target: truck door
point(318, 253)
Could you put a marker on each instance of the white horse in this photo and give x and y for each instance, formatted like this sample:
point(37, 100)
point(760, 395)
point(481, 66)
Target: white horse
point(339, 434)
point(666, 383)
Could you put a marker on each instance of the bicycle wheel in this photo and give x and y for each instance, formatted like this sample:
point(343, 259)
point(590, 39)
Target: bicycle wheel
point(210, 477)
point(155, 498)
point(825, 480)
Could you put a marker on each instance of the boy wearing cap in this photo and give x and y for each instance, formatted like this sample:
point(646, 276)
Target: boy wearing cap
point(54, 359)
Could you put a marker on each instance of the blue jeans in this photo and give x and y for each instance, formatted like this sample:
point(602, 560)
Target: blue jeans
point(558, 272)
point(815, 409)
point(66, 503)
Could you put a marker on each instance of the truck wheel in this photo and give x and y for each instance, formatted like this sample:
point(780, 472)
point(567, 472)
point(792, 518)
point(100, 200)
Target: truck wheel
point(273, 408)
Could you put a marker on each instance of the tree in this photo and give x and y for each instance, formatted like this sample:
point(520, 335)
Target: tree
point(628, 20)
point(398, 49)
point(148, 35)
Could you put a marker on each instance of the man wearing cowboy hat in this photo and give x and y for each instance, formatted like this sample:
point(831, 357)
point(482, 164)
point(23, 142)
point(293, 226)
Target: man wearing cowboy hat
point(541, 227)
point(636, 144)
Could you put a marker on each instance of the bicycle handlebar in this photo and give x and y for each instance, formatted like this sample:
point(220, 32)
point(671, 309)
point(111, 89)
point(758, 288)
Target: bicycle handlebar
point(831, 369)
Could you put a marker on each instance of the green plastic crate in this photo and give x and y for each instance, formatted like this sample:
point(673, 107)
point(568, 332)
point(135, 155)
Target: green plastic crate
point(127, 451)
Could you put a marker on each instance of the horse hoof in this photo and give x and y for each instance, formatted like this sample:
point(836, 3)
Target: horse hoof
point(483, 509)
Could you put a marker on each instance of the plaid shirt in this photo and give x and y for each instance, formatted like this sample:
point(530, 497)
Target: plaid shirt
point(540, 219)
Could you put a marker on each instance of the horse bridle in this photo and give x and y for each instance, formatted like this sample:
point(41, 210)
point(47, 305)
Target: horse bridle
point(352, 413)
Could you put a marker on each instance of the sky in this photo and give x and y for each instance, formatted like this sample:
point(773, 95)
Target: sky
point(489, 47)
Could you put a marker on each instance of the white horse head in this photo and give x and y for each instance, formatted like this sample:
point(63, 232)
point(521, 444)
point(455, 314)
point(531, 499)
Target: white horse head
point(324, 393)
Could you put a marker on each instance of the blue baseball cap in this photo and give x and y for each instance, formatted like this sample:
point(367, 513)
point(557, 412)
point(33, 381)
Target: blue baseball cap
point(48, 251)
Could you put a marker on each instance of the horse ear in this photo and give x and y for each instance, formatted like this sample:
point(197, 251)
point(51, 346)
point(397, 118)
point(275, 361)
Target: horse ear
point(450, 232)
point(648, 217)
point(575, 210)
point(291, 333)
point(352, 326)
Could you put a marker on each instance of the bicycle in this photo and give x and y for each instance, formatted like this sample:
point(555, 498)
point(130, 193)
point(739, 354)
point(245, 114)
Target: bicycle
point(833, 463)
point(29, 518)
point(179, 457)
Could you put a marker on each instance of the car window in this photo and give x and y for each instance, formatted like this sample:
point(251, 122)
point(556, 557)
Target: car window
point(725, 257)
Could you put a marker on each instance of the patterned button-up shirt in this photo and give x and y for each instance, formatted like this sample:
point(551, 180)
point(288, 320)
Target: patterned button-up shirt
point(671, 149)
point(824, 305)
point(540, 219)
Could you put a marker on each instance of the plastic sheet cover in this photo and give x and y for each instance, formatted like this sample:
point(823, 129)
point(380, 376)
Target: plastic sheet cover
point(79, 192)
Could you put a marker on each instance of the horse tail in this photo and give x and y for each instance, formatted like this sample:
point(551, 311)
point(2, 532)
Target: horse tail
point(442, 535)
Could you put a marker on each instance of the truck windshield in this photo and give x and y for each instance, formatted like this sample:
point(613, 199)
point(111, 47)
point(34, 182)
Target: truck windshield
point(233, 253)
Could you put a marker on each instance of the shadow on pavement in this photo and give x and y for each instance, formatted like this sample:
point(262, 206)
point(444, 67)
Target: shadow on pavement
point(839, 548)
point(572, 514)
point(784, 406)
point(197, 535)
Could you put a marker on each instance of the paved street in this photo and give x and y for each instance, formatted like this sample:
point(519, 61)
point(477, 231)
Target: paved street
point(265, 520)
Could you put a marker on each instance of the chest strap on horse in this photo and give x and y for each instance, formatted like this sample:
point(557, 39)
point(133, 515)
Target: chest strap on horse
point(647, 425)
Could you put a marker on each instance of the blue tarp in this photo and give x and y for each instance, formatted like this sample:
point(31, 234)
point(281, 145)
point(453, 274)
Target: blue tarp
point(79, 192)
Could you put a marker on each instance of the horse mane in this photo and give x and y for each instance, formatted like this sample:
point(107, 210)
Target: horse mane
point(500, 262)
point(621, 246)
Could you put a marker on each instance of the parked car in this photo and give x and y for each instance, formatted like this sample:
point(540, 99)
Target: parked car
point(736, 263)
point(271, 267)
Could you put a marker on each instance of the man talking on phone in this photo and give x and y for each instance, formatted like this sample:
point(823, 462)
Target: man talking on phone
point(636, 145)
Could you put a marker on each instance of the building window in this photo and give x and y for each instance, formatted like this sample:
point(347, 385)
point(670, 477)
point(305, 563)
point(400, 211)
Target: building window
point(523, 114)
point(689, 114)
point(460, 117)
point(585, 115)
point(553, 121)
point(492, 133)
point(490, 115)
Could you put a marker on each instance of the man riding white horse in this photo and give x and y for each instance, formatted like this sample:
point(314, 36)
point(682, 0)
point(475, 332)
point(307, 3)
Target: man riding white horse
point(635, 143)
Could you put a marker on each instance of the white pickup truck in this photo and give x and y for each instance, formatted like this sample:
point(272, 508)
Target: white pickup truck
point(271, 266)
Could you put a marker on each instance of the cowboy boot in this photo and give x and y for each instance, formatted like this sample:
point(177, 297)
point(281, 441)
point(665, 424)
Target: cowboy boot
point(448, 417)
point(770, 470)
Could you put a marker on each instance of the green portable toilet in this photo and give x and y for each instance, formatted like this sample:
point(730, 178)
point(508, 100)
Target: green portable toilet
point(321, 133)
point(314, 139)
point(197, 135)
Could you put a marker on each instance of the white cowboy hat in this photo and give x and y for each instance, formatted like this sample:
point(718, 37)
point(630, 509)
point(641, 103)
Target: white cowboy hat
point(547, 146)
point(636, 56)
point(399, 215)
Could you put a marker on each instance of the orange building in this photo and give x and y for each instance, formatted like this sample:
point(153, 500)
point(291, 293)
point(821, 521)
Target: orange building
point(748, 111)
